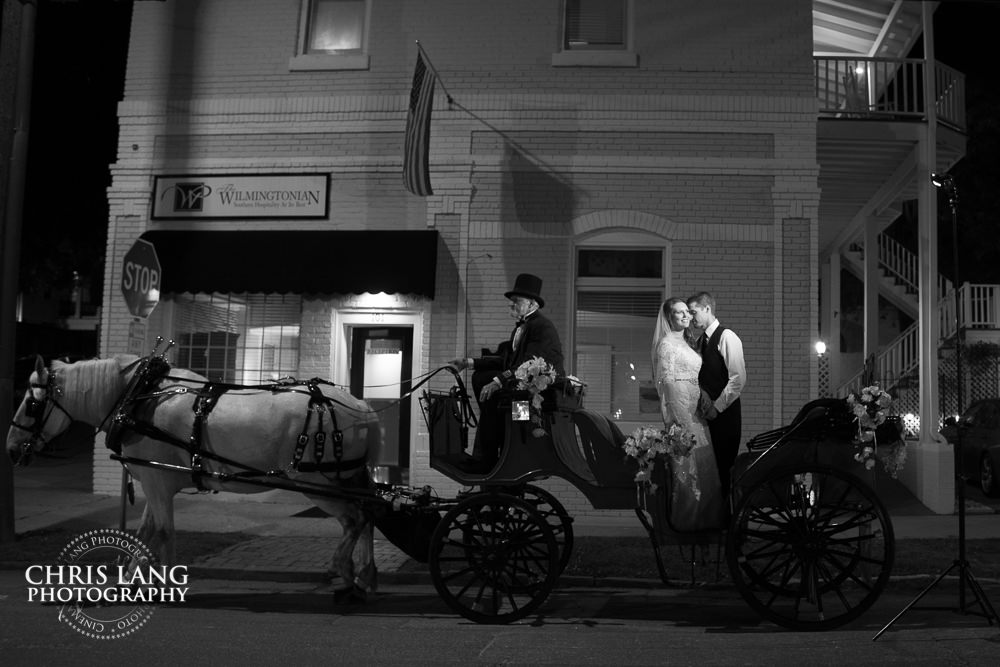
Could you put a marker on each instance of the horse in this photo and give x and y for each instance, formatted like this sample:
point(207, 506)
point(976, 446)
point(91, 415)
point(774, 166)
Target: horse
point(202, 434)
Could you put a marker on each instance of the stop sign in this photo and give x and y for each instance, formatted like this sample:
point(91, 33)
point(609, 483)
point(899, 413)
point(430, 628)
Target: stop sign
point(141, 278)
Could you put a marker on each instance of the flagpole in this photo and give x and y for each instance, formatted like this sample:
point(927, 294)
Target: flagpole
point(453, 103)
point(427, 59)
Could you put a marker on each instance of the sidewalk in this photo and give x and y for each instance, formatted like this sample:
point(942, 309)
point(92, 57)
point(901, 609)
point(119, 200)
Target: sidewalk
point(292, 541)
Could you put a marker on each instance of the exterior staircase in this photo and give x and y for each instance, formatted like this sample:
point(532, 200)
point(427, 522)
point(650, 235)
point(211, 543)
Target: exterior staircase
point(897, 362)
point(898, 273)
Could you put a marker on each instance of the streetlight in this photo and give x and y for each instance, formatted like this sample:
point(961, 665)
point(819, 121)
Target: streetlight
point(947, 183)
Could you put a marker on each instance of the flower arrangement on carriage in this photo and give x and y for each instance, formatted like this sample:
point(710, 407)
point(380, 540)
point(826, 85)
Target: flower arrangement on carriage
point(647, 442)
point(535, 376)
point(871, 409)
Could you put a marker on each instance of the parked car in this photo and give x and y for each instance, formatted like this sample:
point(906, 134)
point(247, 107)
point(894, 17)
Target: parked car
point(979, 428)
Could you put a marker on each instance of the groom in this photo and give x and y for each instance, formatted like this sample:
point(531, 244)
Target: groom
point(722, 378)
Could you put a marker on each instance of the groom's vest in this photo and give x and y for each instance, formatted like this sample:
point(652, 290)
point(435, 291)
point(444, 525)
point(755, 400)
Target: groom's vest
point(714, 374)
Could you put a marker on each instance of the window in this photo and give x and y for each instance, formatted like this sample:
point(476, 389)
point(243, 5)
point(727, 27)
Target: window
point(594, 24)
point(335, 26)
point(596, 33)
point(333, 34)
point(618, 292)
point(246, 339)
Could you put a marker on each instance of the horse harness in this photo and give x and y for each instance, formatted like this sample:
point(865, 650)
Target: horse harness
point(35, 409)
point(145, 386)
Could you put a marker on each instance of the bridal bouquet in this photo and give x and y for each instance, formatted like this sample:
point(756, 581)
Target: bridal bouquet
point(646, 443)
point(871, 408)
point(534, 376)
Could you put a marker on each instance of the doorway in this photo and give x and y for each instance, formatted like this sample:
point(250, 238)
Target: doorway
point(380, 373)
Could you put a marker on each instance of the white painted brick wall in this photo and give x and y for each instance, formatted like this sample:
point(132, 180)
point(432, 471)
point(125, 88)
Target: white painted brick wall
point(710, 142)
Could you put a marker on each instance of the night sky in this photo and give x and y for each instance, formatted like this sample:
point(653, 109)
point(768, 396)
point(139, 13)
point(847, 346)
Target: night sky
point(79, 73)
point(78, 80)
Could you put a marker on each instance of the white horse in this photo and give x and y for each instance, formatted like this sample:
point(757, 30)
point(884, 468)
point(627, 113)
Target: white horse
point(241, 428)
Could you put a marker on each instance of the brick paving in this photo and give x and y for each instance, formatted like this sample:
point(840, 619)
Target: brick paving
point(298, 557)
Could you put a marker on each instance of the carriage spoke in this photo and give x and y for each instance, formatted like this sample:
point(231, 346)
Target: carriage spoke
point(841, 594)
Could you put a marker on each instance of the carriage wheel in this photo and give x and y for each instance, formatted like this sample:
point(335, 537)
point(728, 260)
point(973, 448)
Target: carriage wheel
point(556, 516)
point(493, 558)
point(811, 547)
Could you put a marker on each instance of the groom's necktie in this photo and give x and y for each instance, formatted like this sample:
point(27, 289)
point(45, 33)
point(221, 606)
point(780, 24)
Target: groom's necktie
point(702, 344)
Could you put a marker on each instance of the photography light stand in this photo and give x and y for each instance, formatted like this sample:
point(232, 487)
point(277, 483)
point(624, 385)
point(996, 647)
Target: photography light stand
point(965, 576)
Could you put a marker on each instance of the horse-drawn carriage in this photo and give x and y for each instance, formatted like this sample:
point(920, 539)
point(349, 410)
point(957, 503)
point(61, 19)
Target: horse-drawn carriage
point(809, 544)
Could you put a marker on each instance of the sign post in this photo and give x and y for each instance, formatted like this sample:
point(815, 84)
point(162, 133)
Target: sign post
point(141, 274)
point(141, 277)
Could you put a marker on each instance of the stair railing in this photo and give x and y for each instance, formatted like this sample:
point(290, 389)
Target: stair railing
point(979, 309)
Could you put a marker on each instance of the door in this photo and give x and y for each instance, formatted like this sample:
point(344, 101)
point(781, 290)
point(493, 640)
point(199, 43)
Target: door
point(381, 362)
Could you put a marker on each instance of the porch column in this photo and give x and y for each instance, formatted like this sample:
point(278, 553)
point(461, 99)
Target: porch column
point(932, 478)
point(872, 284)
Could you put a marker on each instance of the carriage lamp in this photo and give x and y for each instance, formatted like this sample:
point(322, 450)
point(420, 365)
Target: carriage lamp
point(519, 411)
point(820, 348)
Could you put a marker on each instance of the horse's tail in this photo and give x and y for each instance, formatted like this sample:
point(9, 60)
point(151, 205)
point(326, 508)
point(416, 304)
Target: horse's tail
point(373, 451)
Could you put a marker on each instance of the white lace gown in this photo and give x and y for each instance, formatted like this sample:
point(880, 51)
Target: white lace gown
point(696, 502)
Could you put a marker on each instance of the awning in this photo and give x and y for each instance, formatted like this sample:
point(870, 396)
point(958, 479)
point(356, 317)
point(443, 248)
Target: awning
point(296, 262)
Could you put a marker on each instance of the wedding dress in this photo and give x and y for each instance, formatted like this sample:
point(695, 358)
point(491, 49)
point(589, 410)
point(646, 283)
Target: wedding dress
point(695, 493)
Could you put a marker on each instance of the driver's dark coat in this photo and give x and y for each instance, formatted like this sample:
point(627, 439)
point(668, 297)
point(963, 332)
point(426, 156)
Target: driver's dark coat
point(540, 339)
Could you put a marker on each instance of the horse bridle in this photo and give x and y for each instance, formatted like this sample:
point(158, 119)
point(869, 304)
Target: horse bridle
point(39, 411)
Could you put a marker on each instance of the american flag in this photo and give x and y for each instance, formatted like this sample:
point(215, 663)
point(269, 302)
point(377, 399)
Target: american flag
point(416, 174)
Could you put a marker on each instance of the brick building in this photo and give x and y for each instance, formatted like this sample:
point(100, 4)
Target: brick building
point(657, 151)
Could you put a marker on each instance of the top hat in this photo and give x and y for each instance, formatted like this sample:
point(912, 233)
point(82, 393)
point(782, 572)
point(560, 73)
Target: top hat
point(528, 286)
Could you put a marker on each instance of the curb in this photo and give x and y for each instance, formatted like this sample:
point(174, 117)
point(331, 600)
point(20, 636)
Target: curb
point(423, 578)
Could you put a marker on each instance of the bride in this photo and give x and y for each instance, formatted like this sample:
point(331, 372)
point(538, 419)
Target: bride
point(696, 501)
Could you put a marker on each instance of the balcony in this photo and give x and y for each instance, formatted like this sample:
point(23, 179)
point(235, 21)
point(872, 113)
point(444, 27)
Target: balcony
point(887, 89)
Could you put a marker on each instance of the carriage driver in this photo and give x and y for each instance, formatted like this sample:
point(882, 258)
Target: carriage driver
point(534, 335)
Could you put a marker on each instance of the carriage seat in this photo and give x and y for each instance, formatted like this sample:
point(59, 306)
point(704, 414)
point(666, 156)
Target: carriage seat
point(601, 441)
point(566, 393)
point(823, 416)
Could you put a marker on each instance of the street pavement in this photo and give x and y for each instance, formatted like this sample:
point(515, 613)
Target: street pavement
point(267, 599)
point(250, 623)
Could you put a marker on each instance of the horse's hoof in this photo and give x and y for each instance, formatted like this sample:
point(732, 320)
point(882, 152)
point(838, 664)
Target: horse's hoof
point(352, 595)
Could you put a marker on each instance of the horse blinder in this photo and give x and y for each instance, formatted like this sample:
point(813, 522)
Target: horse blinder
point(34, 408)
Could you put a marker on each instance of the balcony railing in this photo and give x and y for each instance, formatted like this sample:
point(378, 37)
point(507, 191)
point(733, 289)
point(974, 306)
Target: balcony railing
point(979, 308)
point(857, 87)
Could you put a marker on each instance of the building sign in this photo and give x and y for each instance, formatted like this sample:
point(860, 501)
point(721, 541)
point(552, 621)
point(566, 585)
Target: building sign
point(241, 196)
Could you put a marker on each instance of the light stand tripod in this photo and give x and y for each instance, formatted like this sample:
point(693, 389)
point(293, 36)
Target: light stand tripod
point(965, 575)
